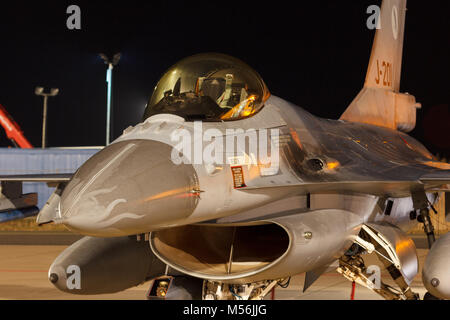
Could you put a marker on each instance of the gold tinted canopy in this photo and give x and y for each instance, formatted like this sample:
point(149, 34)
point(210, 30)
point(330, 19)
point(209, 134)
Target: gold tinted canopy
point(209, 87)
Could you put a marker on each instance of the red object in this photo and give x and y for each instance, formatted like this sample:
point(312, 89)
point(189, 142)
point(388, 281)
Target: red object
point(12, 130)
point(272, 297)
point(352, 296)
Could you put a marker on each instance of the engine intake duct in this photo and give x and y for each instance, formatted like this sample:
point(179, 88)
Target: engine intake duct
point(272, 248)
point(221, 252)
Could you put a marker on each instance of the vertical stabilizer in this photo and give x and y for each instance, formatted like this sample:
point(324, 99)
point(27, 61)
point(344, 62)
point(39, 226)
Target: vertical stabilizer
point(386, 58)
point(379, 102)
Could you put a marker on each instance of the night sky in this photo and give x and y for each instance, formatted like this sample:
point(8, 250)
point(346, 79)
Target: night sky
point(313, 55)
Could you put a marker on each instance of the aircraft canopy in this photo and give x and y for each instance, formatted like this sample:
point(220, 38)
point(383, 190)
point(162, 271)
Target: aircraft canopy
point(209, 87)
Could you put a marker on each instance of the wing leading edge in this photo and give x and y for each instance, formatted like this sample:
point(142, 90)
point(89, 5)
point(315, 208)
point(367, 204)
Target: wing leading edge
point(49, 177)
point(439, 181)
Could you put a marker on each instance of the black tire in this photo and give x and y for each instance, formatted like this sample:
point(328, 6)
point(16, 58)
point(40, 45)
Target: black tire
point(429, 296)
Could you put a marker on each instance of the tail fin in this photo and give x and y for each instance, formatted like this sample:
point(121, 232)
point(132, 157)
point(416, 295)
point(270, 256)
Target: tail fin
point(379, 102)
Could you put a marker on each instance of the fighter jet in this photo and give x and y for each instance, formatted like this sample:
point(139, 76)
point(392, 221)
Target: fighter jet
point(225, 191)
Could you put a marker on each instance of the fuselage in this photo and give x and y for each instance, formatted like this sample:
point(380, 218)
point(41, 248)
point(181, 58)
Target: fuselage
point(167, 171)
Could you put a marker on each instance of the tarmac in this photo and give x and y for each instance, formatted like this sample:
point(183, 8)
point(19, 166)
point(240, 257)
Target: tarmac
point(26, 256)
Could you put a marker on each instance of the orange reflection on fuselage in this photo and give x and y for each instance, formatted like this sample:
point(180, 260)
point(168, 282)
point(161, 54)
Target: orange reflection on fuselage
point(168, 193)
point(332, 165)
point(403, 245)
point(294, 136)
point(437, 164)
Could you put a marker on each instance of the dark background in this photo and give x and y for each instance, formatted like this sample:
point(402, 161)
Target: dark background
point(314, 55)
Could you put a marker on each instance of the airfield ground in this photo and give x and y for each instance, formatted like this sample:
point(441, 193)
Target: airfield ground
point(26, 256)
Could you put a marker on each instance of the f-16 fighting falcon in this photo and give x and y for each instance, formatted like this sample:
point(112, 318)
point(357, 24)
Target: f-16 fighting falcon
point(224, 191)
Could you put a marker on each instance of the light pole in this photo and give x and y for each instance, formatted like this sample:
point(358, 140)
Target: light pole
point(39, 91)
point(110, 63)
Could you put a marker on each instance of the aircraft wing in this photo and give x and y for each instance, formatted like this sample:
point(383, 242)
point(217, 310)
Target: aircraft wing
point(432, 179)
point(16, 205)
point(439, 181)
point(49, 177)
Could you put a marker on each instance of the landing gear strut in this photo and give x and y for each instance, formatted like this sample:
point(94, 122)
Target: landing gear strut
point(420, 203)
point(213, 290)
point(352, 266)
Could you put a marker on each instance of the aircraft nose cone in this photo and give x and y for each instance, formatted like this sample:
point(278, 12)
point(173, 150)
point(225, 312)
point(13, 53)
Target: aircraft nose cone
point(129, 187)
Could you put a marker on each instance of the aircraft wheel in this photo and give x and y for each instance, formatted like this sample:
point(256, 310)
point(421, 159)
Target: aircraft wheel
point(429, 296)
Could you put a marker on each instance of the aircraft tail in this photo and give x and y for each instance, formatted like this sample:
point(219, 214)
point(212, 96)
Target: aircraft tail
point(379, 102)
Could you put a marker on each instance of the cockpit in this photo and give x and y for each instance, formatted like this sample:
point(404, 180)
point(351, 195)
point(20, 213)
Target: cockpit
point(209, 87)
